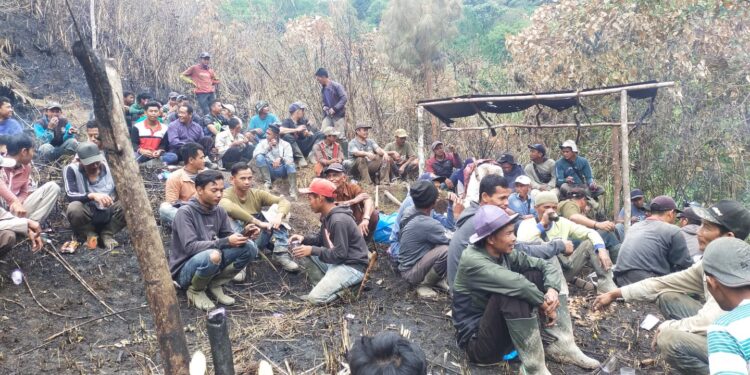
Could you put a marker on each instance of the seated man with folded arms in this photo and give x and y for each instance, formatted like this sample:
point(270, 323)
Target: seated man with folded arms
point(94, 212)
point(576, 208)
point(499, 293)
point(244, 205)
point(150, 136)
point(353, 196)
point(205, 252)
point(423, 245)
point(15, 180)
point(681, 339)
point(180, 185)
point(541, 170)
point(335, 258)
point(274, 158)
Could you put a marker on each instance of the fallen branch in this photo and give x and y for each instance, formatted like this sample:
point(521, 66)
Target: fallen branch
point(26, 282)
point(268, 359)
point(16, 302)
point(391, 197)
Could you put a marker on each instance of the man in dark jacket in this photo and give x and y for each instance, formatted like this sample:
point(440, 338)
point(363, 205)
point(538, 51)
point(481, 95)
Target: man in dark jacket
point(336, 257)
point(206, 253)
point(334, 103)
point(511, 170)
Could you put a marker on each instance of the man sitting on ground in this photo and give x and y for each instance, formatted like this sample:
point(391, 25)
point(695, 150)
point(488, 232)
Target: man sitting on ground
point(442, 163)
point(576, 209)
point(637, 212)
point(206, 253)
point(327, 151)
point(12, 226)
point(275, 159)
point(682, 338)
point(353, 196)
point(54, 134)
point(572, 171)
point(591, 250)
point(689, 224)
point(654, 247)
point(366, 159)
point(511, 170)
point(94, 212)
point(185, 130)
point(232, 145)
point(151, 137)
point(423, 243)
point(541, 169)
point(8, 125)
point(498, 293)
point(335, 258)
point(386, 353)
point(245, 206)
point(405, 164)
point(258, 124)
point(213, 121)
point(728, 279)
point(138, 108)
point(520, 201)
point(296, 130)
point(180, 185)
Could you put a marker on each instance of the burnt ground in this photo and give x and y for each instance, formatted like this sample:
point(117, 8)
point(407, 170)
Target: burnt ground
point(268, 321)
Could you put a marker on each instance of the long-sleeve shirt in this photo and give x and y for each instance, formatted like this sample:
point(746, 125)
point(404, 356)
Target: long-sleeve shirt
point(339, 240)
point(179, 187)
point(56, 136)
point(78, 186)
point(521, 206)
point(225, 139)
point(654, 246)
point(420, 235)
point(543, 173)
point(445, 166)
point(14, 183)
point(689, 281)
point(334, 96)
point(244, 209)
point(447, 221)
point(179, 134)
point(10, 126)
point(283, 151)
point(580, 166)
point(511, 176)
point(532, 231)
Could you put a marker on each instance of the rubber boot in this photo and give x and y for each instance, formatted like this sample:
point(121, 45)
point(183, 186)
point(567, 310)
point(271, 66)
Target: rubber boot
point(564, 349)
point(528, 342)
point(217, 283)
point(283, 259)
point(196, 293)
point(292, 179)
point(313, 273)
point(424, 289)
point(605, 282)
point(265, 174)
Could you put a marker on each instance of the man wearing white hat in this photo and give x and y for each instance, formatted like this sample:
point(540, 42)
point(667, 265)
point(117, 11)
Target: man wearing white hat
point(520, 201)
point(572, 170)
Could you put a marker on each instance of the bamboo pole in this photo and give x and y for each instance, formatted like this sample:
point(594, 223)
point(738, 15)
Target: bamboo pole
point(625, 160)
point(420, 138)
point(565, 95)
point(616, 166)
point(392, 198)
point(92, 16)
point(545, 126)
point(106, 93)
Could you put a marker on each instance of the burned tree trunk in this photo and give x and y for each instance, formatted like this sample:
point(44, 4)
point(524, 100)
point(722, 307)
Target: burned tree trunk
point(160, 294)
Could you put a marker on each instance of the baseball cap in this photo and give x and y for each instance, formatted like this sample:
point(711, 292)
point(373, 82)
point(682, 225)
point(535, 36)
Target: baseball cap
point(663, 203)
point(229, 107)
point(569, 144)
point(435, 144)
point(523, 180)
point(6, 162)
point(173, 95)
point(636, 193)
point(729, 214)
point(506, 158)
point(335, 167)
point(330, 130)
point(362, 125)
point(427, 176)
point(689, 213)
point(88, 153)
point(51, 105)
point(321, 187)
point(296, 106)
point(274, 128)
point(539, 147)
point(728, 260)
point(260, 105)
point(401, 133)
point(205, 55)
point(181, 97)
point(488, 219)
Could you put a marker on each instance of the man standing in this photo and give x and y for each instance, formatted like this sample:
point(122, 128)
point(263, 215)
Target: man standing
point(335, 258)
point(55, 134)
point(511, 170)
point(213, 121)
point(180, 185)
point(572, 170)
point(682, 338)
point(297, 131)
point(442, 163)
point(206, 253)
point(352, 196)
point(245, 205)
point(366, 159)
point(14, 183)
point(689, 224)
point(232, 145)
point(151, 137)
point(274, 159)
point(654, 247)
point(8, 125)
point(185, 130)
point(258, 124)
point(204, 79)
point(541, 169)
point(405, 164)
point(334, 102)
point(423, 245)
point(520, 201)
point(94, 212)
point(327, 151)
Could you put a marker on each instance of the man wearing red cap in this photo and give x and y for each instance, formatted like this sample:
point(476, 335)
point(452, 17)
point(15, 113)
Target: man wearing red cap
point(335, 258)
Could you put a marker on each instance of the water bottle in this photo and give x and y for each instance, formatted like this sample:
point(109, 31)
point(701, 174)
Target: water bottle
point(17, 276)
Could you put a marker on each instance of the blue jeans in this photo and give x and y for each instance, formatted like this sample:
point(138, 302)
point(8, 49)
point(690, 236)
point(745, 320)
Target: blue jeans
point(280, 236)
point(48, 152)
point(337, 277)
point(166, 213)
point(283, 171)
point(167, 157)
point(201, 264)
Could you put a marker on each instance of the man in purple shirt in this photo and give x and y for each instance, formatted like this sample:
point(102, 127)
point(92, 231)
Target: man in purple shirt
point(184, 130)
point(8, 125)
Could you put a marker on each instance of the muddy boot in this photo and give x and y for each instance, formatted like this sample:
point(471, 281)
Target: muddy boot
point(292, 179)
point(443, 285)
point(528, 342)
point(424, 289)
point(196, 293)
point(313, 273)
point(285, 261)
point(564, 349)
point(606, 283)
point(265, 174)
point(215, 287)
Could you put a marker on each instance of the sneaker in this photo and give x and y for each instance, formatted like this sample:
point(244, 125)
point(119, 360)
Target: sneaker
point(286, 262)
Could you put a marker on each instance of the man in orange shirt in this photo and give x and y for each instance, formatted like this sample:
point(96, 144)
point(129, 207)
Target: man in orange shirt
point(352, 196)
point(204, 79)
point(180, 186)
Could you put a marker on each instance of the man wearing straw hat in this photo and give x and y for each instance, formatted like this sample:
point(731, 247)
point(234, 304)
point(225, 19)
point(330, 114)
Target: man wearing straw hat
point(405, 164)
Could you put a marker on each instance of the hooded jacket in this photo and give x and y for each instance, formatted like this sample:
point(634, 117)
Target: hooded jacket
point(339, 240)
point(196, 229)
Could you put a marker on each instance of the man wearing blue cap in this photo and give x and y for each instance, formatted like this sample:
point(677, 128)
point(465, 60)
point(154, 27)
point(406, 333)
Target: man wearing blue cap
point(498, 293)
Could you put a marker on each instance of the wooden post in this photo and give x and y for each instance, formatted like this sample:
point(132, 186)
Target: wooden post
point(420, 138)
point(92, 17)
point(625, 161)
point(160, 294)
point(616, 165)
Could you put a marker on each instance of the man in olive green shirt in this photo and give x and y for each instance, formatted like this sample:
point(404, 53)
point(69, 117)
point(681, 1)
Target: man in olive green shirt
point(244, 205)
point(575, 209)
point(405, 164)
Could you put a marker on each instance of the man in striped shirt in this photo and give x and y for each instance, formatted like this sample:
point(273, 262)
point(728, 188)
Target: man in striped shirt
point(149, 136)
point(726, 263)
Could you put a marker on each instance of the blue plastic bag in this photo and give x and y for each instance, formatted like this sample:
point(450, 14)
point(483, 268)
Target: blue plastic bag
point(384, 228)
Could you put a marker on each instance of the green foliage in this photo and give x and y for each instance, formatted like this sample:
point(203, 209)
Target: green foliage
point(272, 10)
